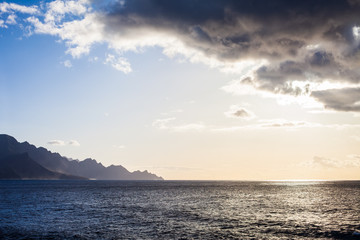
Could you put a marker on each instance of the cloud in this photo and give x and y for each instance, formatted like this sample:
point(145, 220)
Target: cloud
point(239, 112)
point(189, 127)
point(2, 24)
point(293, 93)
point(175, 168)
point(175, 111)
point(71, 21)
point(63, 143)
point(11, 19)
point(119, 146)
point(56, 142)
point(270, 124)
point(74, 143)
point(229, 31)
point(346, 99)
point(356, 138)
point(13, 7)
point(67, 63)
point(9, 10)
point(120, 63)
point(56, 10)
point(283, 123)
point(351, 162)
point(326, 162)
point(280, 47)
point(354, 156)
point(170, 124)
point(293, 42)
point(164, 124)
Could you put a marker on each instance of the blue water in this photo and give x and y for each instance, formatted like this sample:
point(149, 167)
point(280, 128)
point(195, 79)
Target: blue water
point(178, 210)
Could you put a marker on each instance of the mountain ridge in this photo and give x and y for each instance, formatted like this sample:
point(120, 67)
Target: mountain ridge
point(21, 166)
point(88, 168)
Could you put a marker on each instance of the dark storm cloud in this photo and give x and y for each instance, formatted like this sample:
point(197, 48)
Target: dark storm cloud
point(309, 40)
point(278, 78)
point(231, 30)
point(346, 99)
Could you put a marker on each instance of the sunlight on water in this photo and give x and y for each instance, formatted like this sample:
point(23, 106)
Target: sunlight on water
point(179, 210)
point(294, 182)
point(299, 180)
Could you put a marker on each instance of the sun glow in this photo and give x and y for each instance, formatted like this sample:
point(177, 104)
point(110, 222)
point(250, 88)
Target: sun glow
point(299, 180)
point(356, 32)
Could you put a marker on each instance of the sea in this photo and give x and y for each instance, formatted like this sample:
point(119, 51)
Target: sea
point(37, 209)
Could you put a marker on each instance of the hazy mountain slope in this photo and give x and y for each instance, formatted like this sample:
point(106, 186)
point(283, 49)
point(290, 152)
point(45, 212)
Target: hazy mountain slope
point(88, 168)
point(21, 166)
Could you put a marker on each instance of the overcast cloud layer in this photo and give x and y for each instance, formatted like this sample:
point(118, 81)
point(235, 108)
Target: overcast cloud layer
point(280, 47)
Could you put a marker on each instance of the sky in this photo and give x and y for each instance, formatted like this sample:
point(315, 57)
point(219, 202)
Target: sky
point(197, 90)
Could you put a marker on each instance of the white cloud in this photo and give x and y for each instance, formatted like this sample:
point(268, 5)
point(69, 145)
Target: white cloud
point(11, 7)
point(269, 124)
point(356, 138)
point(74, 143)
point(11, 19)
point(322, 162)
point(175, 168)
point(57, 9)
point(327, 162)
point(189, 127)
point(63, 143)
point(93, 59)
point(119, 63)
point(170, 124)
point(282, 123)
point(164, 124)
point(354, 156)
point(176, 111)
point(79, 32)
point(121, 147)
point(2, 24)
point(342, 126)
point(67, 63)
point(56, 142)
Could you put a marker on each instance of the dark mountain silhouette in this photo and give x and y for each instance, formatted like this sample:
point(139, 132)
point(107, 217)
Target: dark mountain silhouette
point(21, 166)
point(89, 168)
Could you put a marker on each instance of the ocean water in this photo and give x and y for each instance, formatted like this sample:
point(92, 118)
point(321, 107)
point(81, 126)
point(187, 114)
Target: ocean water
point(178, 210)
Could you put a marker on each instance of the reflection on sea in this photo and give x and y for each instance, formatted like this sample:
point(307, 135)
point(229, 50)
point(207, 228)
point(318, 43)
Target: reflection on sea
point(179, 209)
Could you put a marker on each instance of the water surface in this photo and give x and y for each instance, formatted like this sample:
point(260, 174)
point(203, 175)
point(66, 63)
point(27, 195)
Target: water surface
point(178, 210)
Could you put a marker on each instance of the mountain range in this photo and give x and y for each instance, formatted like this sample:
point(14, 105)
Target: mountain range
point(25, 161)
